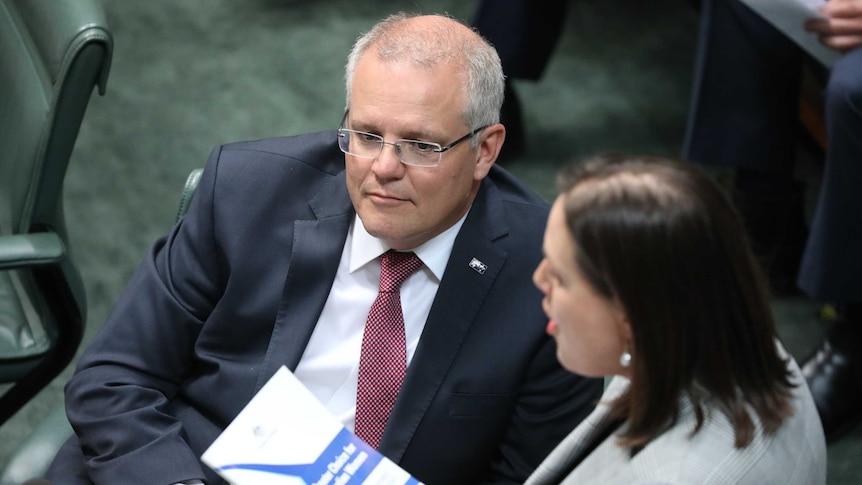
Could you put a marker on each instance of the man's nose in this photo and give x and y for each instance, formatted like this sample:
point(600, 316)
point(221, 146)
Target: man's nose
point(388, 161)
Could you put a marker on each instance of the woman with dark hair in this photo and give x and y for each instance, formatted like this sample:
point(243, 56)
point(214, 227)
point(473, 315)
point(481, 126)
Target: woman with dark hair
point(648, 277)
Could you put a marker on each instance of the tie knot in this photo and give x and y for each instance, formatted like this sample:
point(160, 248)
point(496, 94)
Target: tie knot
point(395, 267)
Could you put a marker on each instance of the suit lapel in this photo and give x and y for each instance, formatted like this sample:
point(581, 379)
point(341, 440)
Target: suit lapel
point(459, 298)
point(314, 258)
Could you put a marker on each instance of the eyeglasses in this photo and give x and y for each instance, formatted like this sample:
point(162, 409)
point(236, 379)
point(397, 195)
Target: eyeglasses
point(411, 152)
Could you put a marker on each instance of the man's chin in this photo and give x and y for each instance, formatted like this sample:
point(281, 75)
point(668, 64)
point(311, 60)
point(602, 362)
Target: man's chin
point(386, 227)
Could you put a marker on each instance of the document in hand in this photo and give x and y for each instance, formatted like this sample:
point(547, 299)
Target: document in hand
point(286, 436)
point(788, 16)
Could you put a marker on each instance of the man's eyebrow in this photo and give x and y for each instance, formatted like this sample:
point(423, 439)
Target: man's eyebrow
point(419, 135)
point(361, 126)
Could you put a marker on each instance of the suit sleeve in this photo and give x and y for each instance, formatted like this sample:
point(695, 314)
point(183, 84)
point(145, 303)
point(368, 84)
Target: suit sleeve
point(119, 398)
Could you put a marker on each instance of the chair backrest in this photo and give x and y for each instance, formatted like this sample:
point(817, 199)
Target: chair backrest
point(52, 55)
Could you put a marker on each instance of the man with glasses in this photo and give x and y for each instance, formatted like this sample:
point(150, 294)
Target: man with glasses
point(278, 262)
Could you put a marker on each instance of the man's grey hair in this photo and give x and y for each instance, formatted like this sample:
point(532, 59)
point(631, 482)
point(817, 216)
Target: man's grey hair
point(396, 38)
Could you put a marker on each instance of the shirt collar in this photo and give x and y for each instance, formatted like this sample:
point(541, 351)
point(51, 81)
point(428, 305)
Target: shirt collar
point(434, 253)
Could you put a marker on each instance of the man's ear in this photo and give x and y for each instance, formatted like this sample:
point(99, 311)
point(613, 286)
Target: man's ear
point(489, 148)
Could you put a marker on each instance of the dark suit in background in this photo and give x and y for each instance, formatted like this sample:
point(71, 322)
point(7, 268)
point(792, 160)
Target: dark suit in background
point(744, 116)
point(235, 290)
point(524, 33)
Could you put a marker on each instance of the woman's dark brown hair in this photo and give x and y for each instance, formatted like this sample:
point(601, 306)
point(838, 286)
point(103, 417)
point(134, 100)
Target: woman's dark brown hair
point(663, 240)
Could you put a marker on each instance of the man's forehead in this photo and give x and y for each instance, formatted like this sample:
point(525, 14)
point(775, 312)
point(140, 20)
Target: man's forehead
point(399, 125)
point(431, 105)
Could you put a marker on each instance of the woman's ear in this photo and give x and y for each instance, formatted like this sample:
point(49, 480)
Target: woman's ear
point(623, 326)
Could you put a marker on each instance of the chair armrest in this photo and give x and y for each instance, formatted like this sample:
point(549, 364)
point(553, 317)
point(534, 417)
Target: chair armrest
point(35, 249)
point(36, 453)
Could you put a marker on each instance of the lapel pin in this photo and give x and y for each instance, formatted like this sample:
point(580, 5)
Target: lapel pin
point(478, 266)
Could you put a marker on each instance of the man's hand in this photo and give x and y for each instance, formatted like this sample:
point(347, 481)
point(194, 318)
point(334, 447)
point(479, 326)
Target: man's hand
point(842, 28)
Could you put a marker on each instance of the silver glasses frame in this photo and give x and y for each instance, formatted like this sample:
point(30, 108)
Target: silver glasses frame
point(438, 149)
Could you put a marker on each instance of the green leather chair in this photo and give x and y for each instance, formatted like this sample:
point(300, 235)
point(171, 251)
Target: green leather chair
point(33, 457)
point(52, 54)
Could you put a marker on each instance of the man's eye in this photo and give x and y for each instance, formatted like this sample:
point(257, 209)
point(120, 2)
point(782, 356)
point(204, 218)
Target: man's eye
point(368, 138)
point(423, 147)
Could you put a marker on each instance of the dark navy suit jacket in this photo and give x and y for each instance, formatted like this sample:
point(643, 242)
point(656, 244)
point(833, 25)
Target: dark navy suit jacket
point(235, 290)
point(744, 115)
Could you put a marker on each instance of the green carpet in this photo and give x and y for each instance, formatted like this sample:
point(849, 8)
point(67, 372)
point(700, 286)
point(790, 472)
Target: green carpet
point(191, 74)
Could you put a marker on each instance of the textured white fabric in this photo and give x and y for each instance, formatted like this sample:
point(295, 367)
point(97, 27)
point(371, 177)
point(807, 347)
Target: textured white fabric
point(329, 366)
point(794, 455)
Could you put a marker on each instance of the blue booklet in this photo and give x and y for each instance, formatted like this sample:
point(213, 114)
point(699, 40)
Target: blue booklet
point(285, 436)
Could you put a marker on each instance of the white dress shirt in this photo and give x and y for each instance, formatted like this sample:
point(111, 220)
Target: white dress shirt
point(329, 367)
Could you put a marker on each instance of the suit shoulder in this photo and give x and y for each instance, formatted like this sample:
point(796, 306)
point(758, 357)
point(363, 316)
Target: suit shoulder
point(317, 151)
point(266, 171)
point(523, 209)
point(514, 191)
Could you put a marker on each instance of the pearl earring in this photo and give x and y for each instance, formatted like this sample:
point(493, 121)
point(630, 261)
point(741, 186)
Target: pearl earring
point(626, 358)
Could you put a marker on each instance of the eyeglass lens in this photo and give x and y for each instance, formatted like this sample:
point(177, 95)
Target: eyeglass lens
point(368, 145)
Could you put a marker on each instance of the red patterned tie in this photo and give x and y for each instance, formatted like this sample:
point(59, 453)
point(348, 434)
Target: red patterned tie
point(383, 360)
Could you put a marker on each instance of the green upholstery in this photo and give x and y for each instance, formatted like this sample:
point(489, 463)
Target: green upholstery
point(34, 456)
point(189, 189)
point(52, 54)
